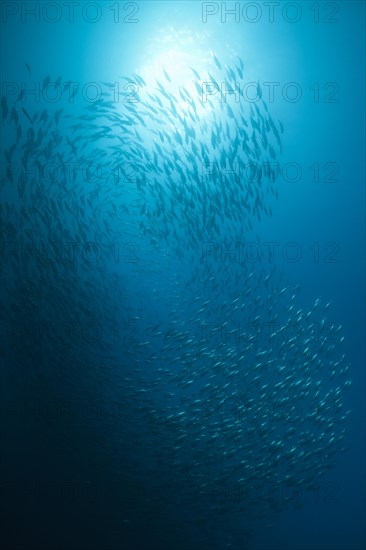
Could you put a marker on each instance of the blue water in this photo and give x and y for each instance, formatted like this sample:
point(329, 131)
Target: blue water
point(78, 481)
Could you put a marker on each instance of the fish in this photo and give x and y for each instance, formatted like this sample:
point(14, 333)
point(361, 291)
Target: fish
point(166, 75)
point(28, 69)
point(217, 62)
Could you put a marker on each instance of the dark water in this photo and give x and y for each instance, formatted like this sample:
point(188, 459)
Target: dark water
point(182, 265)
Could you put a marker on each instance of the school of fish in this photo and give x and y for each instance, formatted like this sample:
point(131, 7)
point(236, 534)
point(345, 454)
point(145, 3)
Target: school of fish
point(228, 384)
